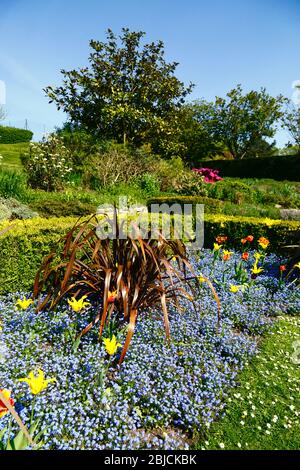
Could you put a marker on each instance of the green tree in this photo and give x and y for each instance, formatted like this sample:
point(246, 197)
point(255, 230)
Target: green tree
point(291, 121)
point(196, 137)
point(240, 121)
point(128, 93)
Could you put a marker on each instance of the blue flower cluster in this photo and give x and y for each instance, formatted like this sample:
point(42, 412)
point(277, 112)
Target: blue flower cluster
point(163, 392)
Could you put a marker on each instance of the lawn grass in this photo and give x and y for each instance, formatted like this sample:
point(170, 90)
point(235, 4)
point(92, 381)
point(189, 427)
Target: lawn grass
point(11, 154)
point(264, 411)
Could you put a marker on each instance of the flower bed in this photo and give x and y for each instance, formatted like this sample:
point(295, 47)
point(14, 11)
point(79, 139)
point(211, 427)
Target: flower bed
point(162, 394)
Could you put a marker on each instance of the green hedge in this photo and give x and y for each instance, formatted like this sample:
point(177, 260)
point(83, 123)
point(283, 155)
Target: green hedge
point(24, 245)
point(277, 168)
point(279, 232)
point(13, 135)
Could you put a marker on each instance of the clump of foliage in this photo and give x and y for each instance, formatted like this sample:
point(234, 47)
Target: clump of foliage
point(48, 164)
point(114, 165)
point(233, 191)
point(128, 273)
point(12, 183)
point(291, 121)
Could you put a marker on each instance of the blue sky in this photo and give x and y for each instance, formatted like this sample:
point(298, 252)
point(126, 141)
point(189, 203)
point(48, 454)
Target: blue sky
point(217, 43)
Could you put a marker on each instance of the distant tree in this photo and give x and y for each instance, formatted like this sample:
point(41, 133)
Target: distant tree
point(128, 93)
point(291, 121)
point(261, 148)
point(240, 121)
point(195, 134)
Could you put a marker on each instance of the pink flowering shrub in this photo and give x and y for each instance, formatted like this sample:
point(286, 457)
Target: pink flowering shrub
point(210, 175)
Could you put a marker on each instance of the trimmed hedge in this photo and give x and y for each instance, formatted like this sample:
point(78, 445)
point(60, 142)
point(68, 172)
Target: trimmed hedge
point(279, 232)
point(13, 135)
point(278, 168)
point(23, 246)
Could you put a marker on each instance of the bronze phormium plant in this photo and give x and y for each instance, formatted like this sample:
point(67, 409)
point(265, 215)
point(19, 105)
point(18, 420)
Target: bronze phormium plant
point(126, 274)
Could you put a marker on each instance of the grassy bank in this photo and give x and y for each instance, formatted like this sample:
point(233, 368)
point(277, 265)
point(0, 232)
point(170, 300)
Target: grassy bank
point(11, 155)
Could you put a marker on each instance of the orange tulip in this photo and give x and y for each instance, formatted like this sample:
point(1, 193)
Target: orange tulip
point(111, 296)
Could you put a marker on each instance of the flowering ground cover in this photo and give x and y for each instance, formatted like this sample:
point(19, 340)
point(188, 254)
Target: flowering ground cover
point(164, 396)
point(264, 412)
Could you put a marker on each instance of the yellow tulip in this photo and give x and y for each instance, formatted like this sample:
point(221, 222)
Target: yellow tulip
point(201, 279)
point(79, 304)
point(227, 254)
point(24, 303)
point(256, 269)
point(297, 265)
point(217, 246)
point(111, 345)
point(234, 288)
point(37, 383)
point(263, 242)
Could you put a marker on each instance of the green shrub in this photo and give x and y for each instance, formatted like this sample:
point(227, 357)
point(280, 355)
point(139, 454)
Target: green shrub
point(277, 168)
point(149, 184)
point(13, 135)
point(60, 208)
point(233, 191)
point(48, 164)
point(111, 167)
point(12, 184)
point(251, 210)
point(210, 205)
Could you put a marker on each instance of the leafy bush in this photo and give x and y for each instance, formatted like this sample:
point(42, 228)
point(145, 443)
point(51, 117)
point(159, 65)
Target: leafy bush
point(234, 191)
point(210, 205)
point(113, 166)
point(48, 164)
point(60, 208)
point(12, 183)
point(128, 274)
point(13, 135)
point(149, 184)
point(190, 184)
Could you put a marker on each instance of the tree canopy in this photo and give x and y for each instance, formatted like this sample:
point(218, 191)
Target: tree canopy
point(128, 93)
point(239, 122)
point(291, 121)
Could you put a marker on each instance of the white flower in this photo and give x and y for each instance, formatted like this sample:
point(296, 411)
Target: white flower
point(222, 445)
